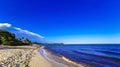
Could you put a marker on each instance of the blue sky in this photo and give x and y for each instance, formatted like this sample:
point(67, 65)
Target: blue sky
point(68, 21)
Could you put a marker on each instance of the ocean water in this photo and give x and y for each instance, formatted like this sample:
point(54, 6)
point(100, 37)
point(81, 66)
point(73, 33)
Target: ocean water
point(100, 55)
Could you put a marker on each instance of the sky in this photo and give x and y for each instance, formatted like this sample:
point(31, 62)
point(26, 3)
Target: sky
point(67, 21)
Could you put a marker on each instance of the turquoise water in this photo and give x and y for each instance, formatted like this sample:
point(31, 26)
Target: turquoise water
point(101, 55)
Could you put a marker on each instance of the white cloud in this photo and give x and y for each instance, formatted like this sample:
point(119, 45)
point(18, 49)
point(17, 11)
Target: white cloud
point(4, 25)
point(28, 32)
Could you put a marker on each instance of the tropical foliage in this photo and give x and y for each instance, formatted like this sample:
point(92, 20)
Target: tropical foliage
point(7, 38)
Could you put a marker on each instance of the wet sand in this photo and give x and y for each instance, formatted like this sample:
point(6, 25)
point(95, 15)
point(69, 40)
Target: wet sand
point(60, 61)
point(39, 60)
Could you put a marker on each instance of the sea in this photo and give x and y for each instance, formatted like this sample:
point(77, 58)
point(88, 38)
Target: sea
point(93, 55)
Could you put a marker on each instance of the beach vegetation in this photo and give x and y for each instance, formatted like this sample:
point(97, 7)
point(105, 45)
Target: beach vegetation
point(9, 39)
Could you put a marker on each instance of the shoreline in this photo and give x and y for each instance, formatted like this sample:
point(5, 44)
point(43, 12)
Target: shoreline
point(60, 60)
point(24, 56)
point(30, 56)
point(52, 61)
point(38, 60)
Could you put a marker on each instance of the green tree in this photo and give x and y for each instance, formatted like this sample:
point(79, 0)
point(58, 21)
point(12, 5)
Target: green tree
point(7, 38)
point(0, 42)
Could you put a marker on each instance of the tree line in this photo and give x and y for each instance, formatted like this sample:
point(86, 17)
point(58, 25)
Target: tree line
point(9, 39)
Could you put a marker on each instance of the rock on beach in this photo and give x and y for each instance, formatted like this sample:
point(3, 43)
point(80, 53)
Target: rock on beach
point(15, 57)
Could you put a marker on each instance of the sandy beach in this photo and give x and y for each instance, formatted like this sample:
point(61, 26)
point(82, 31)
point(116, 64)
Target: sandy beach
point(16, 56)
point(20, 56)
point(40, 60)
point(37, 60)
point(44, 58)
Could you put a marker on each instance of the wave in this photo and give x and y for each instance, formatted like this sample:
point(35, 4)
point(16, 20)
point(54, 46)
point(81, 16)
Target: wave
point(72, 62)
point(98, 59)
point(100, 56)
point(63, 60)
point(92, 55)
point(110, 52)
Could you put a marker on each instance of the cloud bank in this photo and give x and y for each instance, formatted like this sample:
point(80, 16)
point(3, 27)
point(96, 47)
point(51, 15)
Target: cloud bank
point(28, 32)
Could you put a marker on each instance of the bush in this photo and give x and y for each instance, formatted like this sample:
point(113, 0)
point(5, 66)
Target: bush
point(9, 43)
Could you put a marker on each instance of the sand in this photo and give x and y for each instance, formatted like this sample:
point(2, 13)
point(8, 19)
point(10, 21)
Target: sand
point(26, 56)
point(39, 61)
point(15, 57)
